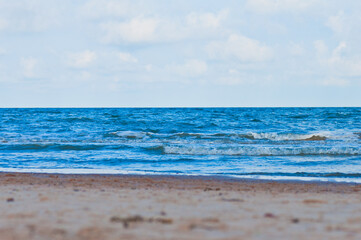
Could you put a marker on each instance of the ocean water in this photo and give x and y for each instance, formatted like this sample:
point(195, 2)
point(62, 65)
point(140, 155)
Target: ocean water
point(262, 143)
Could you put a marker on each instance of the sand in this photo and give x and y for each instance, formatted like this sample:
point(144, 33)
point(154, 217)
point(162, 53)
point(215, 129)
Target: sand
point(51, 206)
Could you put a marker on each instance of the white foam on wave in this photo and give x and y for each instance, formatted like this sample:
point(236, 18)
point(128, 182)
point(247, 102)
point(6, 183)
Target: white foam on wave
point(290, 136)
point(303, 179)
point(130, 134)
point(324, 135)
point(261, 151)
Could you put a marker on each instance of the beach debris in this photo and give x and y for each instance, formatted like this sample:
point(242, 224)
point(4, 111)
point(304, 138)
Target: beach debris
point(127, 220)
point(203, 226)
point(137, 218)
point(295, 220)
point(211, 189)
point(10, 200)
point(90, 233)
point(10, 175)
point(269, 215)
point(59, 231)
point(162, 213)
point(232, 199)
point(211, 220)
point(164, 220)
point(313, 201)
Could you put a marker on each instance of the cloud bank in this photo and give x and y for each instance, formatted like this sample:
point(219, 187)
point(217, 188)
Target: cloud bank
point(155, 53)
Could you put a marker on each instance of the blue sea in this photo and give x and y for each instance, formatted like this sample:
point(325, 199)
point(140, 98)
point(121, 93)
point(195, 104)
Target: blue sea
point(321, 144)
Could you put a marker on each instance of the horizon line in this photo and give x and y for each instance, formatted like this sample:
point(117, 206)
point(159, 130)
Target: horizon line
point(77, 107)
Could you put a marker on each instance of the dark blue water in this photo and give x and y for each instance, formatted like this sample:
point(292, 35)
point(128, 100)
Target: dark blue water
point(271, 143)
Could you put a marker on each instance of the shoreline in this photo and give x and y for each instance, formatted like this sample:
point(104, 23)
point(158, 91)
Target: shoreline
point(175, 181)
point(280, 179)
point(77, 206)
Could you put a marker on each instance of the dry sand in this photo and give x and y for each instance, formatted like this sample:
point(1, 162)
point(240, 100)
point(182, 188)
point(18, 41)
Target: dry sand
point(50, 206)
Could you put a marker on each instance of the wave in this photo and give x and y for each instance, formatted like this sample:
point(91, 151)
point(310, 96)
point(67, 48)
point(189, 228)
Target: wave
point(338, 115)
point(358, 134)
point(259, 151)
point(254, 136)
point(58, 147)
point(128, 134)
point(287, 137)
point(78, 119)
point(302, 174)
point(258, 136)
point(185, 135)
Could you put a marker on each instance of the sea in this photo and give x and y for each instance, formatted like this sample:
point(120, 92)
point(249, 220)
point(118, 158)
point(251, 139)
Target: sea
point(306, 144)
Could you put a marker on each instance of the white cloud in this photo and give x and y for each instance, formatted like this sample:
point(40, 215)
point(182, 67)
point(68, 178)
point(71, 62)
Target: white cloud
point(29, 67)
point(240, 47)
point(148, 67)
point(127, 57)
point(296, 49)
point(232, 78)
point(29, 16)
point(81, 59)
point(335, 82)
point(274, 6)
point(155, 29)
point(337, 22)
point(3, 24)
point(190, 68)
point(2, 51)
point(320, 47)
point(230, 81)
point(338, 61)
point(337, 52)
point(136, 30)
point(110, 8)
point(345, 66)
point(206, 20)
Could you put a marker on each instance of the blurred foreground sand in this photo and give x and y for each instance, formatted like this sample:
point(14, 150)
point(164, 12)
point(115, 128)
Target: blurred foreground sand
point(50, 206)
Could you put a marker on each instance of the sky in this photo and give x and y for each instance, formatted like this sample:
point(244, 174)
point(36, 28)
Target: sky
point(180, 53)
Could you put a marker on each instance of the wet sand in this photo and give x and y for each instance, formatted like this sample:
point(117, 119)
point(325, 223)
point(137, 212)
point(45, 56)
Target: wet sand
point(51, 206)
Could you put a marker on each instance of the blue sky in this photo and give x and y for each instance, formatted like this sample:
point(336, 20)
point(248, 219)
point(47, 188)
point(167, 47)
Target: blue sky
point(119, 53)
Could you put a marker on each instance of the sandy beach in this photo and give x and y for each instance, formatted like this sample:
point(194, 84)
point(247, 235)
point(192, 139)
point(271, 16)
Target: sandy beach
point(51, 206)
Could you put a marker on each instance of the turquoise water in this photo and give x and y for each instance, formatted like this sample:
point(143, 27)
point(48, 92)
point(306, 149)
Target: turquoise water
point(264, 143)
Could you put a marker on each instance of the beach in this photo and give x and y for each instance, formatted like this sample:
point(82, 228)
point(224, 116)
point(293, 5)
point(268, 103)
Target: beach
point(56, 206)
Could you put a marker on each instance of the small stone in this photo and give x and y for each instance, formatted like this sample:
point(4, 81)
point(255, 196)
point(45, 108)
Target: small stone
point(164, 220)
point(116, 219)
point(125, 224)
point(269, 215)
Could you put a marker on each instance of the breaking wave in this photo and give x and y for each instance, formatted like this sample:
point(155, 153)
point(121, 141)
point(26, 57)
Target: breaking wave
point(260, 151)
point(128, 134)
point(245, 136)
point(257, 136)
point(303, 174)
point(287, 137)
